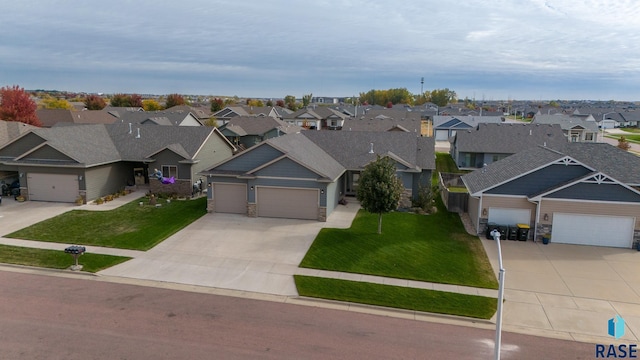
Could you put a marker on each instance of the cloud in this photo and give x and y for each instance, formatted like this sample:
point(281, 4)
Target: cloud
point(338, 47)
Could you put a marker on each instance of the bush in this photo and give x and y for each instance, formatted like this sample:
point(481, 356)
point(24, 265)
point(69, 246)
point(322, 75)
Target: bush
point(425, 198)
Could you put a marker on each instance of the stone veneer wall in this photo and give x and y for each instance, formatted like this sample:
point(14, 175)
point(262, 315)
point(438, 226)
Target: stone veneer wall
point(322, 214)
point(405, 199)
point(180, 187)
point(252, 210)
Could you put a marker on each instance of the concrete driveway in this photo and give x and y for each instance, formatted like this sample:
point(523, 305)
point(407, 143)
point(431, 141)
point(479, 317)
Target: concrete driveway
point(569, 290)
point(234, 252)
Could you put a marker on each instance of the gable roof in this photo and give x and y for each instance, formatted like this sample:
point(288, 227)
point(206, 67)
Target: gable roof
point(318, 113)
point(156, 117)
point(567, 122)
point(352, 148)
point(508, 138)
point(385, 120)
point(252, 125)
point(305, 152)
point(10, 130)
point(472, 121)
point(600, 157)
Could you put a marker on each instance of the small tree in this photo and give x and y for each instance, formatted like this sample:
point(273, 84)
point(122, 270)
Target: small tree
point(216, 105)
point(174, 100)
point(379, 188)
point(17, 105)
point(623, 143)
point(53, 103)
point(151, 105)
point(94, 102)
point(306, 100)
point(120, 100)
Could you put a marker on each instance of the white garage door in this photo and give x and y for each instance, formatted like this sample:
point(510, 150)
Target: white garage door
point(53, 187)
point(614, 231)
point(230, 198)
point(287, 203)
point(506, 216)
point(442, 135)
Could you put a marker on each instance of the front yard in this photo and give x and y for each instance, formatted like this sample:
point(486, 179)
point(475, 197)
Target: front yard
point(130, 226)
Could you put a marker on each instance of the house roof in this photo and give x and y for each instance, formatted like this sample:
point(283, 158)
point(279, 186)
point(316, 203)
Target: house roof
point(252, 125)
point(304, 151)
point(10, 130)
point(508, 138)
point(385, 120)
point(567, 122)
point(318, 113)
point(602, 157)
point(352, 148)
point(157, 117)
point(472, 121)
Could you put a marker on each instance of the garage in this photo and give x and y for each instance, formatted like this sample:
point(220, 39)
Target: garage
point(287, 203)
point(614, 231)
point(230, 198)
point(53, 187)
point(442, 135)
point(508, 216)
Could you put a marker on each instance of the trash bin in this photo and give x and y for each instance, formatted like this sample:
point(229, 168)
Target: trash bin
point(490, 228)
point(503, 231)
point(512, 232)
point(523, 232)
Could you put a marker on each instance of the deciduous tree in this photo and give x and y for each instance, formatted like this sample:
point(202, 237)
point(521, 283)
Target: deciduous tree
point(216, 105)
point(94, 102)
point(379, 188)
point(53, 103)
point(623, 143)
point(306, 100)
point(120, 100)
point(174, 100)
point(17, 105)
point(151, 105)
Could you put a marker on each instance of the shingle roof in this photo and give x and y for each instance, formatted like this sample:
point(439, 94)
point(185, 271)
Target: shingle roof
point(86, 144)
point(252, 125)
point(352, 148)
point(10, 130)
point(158, 117)
point(385, 120)
point(473, 121)
point(304, 151)
point(567, 122)
point(610, 160)
point(508, 138)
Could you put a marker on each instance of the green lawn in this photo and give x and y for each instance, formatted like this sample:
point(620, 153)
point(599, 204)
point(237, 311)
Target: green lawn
point(130, 226)
point(433, 248)
point(445, 163)
point(55, 259)
point(397, 297)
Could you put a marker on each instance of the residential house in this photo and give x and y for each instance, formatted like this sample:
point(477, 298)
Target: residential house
point(387, 120)
point(53, 117)
point(446, 126)
point(491, 142)
point(579, 193)
point(305, 175)
point(229, 112)
point(63, 163)
point(316, 118)
point(174, 118)
point(576, 128)
point(247, 131)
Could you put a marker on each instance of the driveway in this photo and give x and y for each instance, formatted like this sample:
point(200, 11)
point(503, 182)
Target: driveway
point(234, 252)
point(569, 290)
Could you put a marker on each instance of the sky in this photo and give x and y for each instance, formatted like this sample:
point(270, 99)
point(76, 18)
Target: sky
point(491, 50)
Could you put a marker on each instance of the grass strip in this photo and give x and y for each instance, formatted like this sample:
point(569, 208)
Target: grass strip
point(424, 300)
point(54, 259)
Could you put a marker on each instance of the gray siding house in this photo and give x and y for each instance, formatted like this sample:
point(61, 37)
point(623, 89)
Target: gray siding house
point(305, 175)
point(64, 163)
point(579, 193)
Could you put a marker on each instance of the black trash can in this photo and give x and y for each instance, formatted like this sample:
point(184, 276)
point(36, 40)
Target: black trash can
point(503, 231)
point(512, 232)
point(523, 232)
point(490, 228)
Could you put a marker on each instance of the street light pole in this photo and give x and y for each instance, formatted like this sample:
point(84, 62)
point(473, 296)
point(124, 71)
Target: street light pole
point(496, 236)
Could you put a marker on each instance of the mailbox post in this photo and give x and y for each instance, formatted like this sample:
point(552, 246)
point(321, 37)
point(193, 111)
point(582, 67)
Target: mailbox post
point(75, 251)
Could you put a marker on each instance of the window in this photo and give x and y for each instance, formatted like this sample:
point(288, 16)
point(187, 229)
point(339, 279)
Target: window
point(588, 136)
point(169, 171)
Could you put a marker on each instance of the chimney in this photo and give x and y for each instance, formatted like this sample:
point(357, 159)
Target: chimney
point(138, 136)
point(371, 149)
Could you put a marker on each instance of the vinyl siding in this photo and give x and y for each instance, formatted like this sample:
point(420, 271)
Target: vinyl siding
point(473, 210)
point(48, 153)
point(251, 159)
point(550, 206)
point(332, 195)
point(169, 158)
point(213, 151)
point(602, 192)
point(540, 180)
point(22, 145)
point(104, 180)
point(287, 168)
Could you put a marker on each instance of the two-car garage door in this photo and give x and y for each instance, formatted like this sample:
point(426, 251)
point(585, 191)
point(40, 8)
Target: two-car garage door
point(614, 231)
point(278, 202)
point(291, 203)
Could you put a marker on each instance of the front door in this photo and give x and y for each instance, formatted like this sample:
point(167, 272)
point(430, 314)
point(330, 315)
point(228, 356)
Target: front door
point(352, 183)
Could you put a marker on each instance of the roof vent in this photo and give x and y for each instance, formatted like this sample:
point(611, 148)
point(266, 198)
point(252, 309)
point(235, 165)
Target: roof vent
point(371, 149)
point(530, 132)
point(130, 128)
point(138, 136)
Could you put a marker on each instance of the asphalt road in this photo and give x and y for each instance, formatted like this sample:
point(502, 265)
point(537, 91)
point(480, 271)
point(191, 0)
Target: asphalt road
point(50, 317)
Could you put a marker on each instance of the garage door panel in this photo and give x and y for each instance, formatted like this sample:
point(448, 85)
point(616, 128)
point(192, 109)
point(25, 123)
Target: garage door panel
point(287, 203)
point(230, 198)
point(53, 187)
point(614, 231)
point(508, 216)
